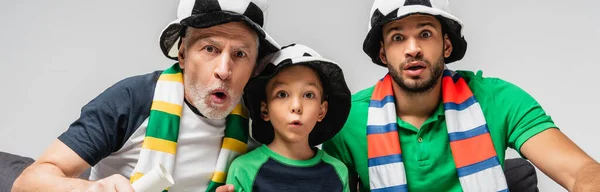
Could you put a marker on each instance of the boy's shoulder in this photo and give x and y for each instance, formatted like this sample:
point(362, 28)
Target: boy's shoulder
point(336, 163)
point(256, 156)
point(330, 159)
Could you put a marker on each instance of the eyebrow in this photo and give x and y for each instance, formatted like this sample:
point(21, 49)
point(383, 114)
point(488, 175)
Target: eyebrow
point(244, 46)
point(427, 23)
point(420, 25)
point(207, 37)
point(279, 83)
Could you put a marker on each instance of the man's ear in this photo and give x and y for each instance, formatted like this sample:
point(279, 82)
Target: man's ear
point(181, 54)
point(323, 110)
point(447, 46)
point(382, 55)
point(264, 113)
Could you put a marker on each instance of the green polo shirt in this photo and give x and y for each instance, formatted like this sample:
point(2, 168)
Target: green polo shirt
point(512, 115)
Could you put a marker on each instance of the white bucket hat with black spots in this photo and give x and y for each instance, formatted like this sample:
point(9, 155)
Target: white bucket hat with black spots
point(385, 11)
point(208, 13)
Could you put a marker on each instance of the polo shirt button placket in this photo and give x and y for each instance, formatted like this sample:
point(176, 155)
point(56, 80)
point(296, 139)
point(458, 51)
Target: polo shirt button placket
point(420, 139)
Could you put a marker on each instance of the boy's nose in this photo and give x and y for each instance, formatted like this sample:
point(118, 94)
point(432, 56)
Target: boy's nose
point(296, 106)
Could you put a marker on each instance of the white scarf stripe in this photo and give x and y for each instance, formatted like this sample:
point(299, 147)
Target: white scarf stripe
point(173, 92)
point(225, 154)
point(465, 120)
point(484, 180)
point(378, 180)
point(383, 115)
point(149, 158)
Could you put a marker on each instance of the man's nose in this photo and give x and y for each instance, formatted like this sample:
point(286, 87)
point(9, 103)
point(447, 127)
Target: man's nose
point(413, 48)
point(223, 69)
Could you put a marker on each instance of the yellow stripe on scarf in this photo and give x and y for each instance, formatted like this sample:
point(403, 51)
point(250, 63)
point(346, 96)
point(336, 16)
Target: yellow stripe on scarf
point(135, 177)
point(219, 177)
point(234, 145)
point(177, 77)
point(238, 110)
point(157, 144)
point(167, 107)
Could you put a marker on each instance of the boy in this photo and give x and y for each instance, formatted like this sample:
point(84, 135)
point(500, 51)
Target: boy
point(288, 103)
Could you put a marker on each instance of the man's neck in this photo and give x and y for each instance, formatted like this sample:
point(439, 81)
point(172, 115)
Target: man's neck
point(296, 151)
point(415, 108)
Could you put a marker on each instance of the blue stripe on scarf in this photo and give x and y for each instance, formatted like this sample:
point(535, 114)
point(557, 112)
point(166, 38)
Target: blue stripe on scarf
point(385, 160)
point(474, 168)
point(455, 77)
point(376, 129)
point(382, 102)
point(460, 106)
point(398, 188)
point(482, 129)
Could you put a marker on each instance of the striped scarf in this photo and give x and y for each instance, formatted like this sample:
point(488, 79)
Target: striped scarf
point(160, 142)
point(476, 162)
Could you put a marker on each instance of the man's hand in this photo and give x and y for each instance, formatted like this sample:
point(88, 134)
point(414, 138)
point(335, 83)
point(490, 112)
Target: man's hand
point(114, 183)
point(225, 188)
point(563, 161)
point(57, 170)
point(588, 178)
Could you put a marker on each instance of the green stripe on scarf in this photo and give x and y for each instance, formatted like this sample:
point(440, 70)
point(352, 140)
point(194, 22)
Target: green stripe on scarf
point(172, 70)
point(161, 119)
point(165, 125)
point(232, 132)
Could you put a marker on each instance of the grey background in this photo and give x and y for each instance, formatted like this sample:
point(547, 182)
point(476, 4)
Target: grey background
point(58, 55)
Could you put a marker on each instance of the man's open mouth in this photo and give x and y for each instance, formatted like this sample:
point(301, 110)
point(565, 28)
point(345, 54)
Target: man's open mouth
point(415, 68)
point(220, 94)
point(415, 65)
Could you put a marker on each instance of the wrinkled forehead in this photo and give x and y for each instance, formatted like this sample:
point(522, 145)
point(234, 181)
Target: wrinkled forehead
point(232, 30)
point(414, 20)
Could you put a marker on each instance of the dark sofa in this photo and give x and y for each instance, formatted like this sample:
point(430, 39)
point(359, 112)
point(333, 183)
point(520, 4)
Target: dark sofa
point(520, 174)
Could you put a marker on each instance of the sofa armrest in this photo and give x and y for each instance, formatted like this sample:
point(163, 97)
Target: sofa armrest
point(11, 166)
point(520, 175)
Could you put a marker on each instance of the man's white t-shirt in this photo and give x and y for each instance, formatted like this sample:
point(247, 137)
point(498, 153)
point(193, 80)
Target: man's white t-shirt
point(110, 131)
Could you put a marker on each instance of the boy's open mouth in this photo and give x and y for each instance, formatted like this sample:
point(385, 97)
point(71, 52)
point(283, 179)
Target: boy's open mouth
point(296, 123)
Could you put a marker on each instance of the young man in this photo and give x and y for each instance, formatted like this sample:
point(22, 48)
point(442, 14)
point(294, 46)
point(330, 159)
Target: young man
point(297, 104)
point(186, 117)
point(424, 127)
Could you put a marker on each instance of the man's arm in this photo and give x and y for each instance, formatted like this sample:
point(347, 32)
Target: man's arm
point(57, 169)
point(563, 161)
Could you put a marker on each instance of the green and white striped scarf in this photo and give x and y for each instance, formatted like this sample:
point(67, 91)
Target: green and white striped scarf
point(160, 143)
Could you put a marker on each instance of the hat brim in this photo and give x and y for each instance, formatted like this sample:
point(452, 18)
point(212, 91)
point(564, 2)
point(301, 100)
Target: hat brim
point(337, 96)
point(170, 37)
point(451, 25)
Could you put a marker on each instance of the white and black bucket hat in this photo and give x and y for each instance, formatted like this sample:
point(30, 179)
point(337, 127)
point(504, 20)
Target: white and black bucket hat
point(385, 11)
point(208, 13)
point(336, 93)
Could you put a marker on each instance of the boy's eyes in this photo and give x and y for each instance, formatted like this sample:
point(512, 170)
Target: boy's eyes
point(309, 95)
point(281, 94)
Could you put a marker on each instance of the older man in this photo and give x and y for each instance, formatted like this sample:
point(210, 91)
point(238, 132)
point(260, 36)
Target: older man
point(187, 118)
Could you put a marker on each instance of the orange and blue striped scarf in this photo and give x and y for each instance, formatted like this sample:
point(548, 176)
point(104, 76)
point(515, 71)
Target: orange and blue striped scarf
point(476, 161)
point(162, 132)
